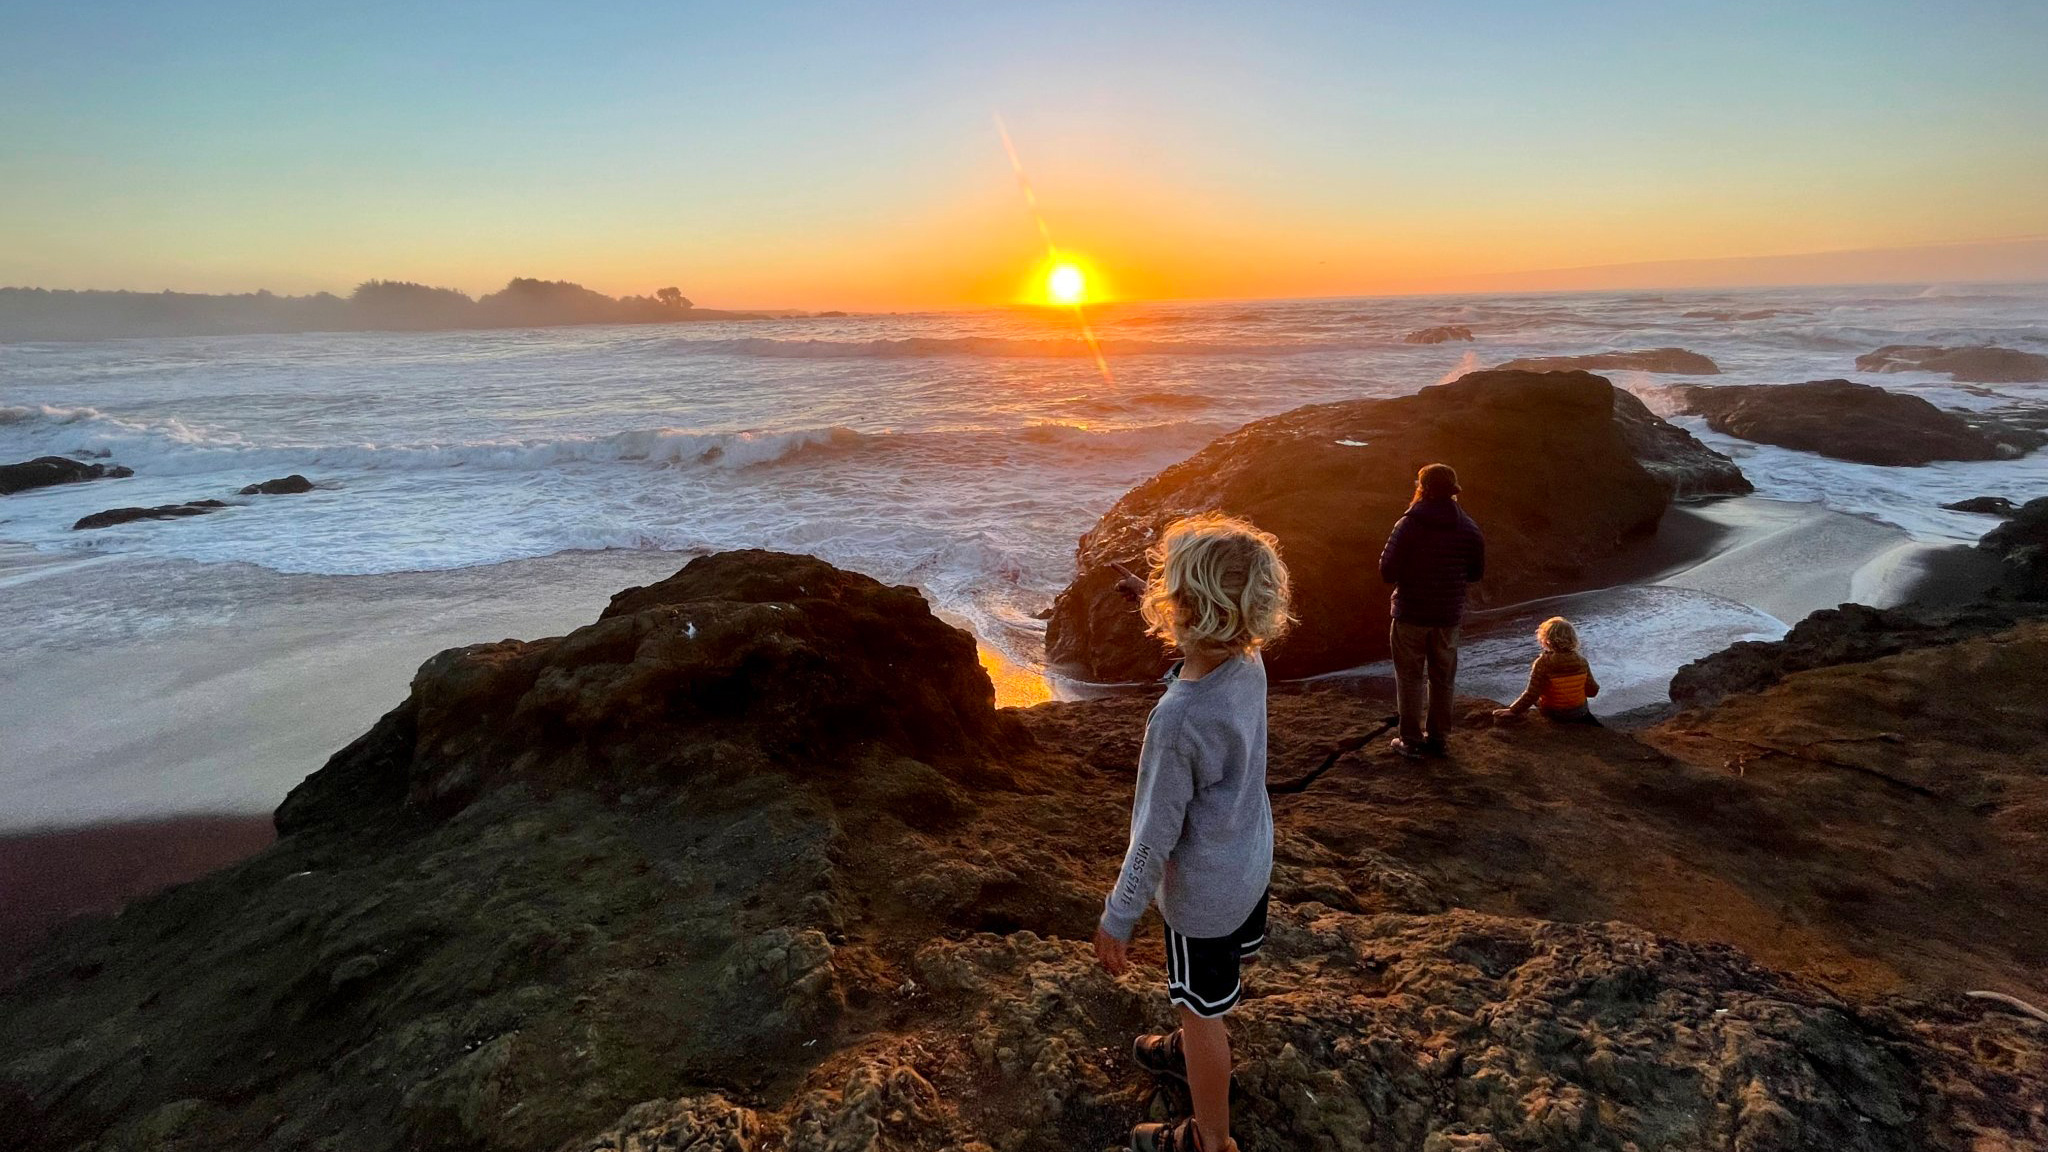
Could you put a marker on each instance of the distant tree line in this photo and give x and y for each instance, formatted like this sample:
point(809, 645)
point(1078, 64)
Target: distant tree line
point(375, 305)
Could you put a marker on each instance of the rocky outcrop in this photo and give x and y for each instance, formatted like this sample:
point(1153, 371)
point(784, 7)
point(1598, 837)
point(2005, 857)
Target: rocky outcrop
point(2022, 543)
point(1438, 334)
point(44, 471)
point(1687, 468)
point(743, 663)
point(782, 937)
point(1979, 364)
point(1457, 1041)
point(113, 516)
point(1850, 634)
point(1848, 421)
point(1671, 360)
point(1545, 468)
point(282, 486)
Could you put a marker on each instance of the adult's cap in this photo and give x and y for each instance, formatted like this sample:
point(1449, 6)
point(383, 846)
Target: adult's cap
point(1438, 480)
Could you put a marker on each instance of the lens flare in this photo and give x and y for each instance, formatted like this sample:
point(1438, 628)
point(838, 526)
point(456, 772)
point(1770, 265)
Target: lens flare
point(1066, 285)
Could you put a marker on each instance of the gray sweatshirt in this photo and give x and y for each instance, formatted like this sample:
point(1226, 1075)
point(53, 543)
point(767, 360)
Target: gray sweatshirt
point(1201, 830)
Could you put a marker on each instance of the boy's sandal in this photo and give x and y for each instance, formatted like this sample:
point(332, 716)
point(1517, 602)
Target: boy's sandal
point(1161, 1056)
point(1171, 1138)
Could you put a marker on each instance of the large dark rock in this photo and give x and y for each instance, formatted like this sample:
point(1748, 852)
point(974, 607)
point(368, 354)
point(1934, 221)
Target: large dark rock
point(741, 662)
point(1671, 360)
point(1850, 634)
point(113, 516)
point(1687, 468)
point(1848, 421)
point(44, 471)
point(1980, 364)
point(2022, 543)
point(1438, 334)
point(1545, 468)
point(282, 486)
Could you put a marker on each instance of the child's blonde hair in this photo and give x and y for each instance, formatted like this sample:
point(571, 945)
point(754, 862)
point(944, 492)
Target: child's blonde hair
point(1217, 582)
point(1557, 635)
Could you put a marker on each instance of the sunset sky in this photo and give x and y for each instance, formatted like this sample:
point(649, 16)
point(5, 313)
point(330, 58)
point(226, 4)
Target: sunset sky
point(845, 155)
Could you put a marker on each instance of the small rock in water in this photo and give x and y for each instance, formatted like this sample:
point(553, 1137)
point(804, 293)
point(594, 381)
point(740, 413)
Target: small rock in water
point(1980, 364)
point(44, 471)
point(1674, 360)
point(282, 486)
point(113, 516)
point(1988, 505)
point(1438, 334)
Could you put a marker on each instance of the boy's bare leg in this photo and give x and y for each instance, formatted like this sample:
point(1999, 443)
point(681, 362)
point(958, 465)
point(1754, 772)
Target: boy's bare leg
point(1206, 1043)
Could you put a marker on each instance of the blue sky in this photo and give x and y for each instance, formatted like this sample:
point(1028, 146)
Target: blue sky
point(814, 154)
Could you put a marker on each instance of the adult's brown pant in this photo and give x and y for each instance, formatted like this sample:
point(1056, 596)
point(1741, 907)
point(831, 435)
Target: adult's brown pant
point(1425, 672)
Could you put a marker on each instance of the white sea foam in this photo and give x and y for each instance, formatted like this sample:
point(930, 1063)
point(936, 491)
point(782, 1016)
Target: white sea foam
point(173, 448)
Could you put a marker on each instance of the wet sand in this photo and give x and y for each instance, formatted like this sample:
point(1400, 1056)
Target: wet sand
point(48, 878)
point(145, 689)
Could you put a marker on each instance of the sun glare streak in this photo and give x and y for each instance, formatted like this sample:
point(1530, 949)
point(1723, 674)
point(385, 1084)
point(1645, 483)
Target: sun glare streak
point(1065, 284)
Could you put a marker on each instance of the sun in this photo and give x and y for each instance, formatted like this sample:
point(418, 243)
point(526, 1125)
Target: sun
point(1065, 284)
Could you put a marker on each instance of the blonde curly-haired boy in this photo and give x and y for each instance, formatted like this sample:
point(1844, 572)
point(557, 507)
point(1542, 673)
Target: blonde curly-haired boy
point(1201, 830)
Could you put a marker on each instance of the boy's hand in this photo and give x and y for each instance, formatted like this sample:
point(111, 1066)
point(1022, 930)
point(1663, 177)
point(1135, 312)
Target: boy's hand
point(1506, 714)
point(1113, 954)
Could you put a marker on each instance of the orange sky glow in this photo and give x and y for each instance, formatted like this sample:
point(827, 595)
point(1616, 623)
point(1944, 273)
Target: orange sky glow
point(848, 158)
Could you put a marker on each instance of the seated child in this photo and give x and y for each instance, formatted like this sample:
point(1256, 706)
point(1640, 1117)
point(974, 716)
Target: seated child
point(1560, 681)
point(1201, 830)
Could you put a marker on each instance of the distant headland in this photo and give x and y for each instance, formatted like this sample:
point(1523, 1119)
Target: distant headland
point(375, 305)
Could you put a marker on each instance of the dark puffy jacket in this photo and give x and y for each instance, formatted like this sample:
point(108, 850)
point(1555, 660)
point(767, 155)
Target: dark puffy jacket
point(1434, 551)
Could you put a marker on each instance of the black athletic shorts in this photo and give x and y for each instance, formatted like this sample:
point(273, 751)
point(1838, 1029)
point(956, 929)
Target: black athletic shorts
point(1202, 973)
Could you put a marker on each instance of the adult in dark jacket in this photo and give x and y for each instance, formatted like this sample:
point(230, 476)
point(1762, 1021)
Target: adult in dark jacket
point(1434, 552)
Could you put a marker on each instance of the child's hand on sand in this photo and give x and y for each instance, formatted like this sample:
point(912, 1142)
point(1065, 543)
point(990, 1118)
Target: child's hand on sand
point(1500, 714)
point(1113, 954)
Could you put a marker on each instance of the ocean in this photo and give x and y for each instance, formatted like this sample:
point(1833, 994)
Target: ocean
point(960, 452)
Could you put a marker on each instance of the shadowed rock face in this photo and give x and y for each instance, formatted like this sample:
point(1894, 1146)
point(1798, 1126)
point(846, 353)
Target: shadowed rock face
point(1848, 421)
point(1546, 471)
point(839, 946)
point(1438, 334)
point(1687, 468)
point(2022, 542)
point(113, 516)
point(44, 471)
point(741, 662)
point(1851, 634)
point(1974, 365)
point(1672, 360)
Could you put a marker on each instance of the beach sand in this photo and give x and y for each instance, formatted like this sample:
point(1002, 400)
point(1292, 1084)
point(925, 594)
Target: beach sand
point(141, 689)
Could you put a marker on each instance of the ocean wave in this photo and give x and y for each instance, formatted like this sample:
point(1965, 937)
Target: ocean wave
point(1142, 402)
point(913, 347)
point(172, 448)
